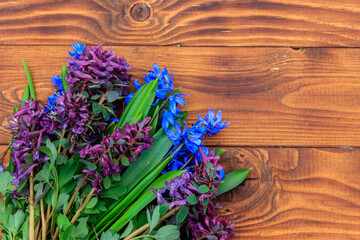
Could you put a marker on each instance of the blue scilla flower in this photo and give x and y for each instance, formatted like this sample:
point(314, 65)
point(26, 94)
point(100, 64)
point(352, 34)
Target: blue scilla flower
point(167, 119)
point(113, 119)
point(176, 99)
point(50, 106)
point(56, 80)
point(222, 174)
point(165, 82)
point(78, 49)
point(1, 168)
point(191, 137)
point(176, 164)
point(213, 123)
point(128, 98)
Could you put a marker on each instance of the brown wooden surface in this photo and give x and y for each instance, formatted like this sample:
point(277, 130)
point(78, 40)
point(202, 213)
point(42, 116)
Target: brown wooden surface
point(271, 96)
point(188, 23)
point(266, 63)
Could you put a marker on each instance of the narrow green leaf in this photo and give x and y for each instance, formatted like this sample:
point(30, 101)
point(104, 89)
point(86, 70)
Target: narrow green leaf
point(131, 196)
point(15, 109)
point(140, 103)
point(147, 197)
point(5, 179)
point(64, 72)
point(219, 151)
point(232, 180)
point(28, 76)
point(26, 94)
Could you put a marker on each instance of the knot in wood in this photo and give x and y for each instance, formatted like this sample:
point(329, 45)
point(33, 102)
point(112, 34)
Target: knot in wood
point(140, 12)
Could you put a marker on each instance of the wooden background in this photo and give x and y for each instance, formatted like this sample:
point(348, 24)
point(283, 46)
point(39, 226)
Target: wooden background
point(286, 74)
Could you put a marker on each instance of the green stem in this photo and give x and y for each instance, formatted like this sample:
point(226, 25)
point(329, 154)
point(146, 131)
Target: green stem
point(31, 208)
point(146, 226)
point(144, 236)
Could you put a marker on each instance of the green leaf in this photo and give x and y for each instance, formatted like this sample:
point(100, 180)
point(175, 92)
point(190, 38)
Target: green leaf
point(62, 200)
point(95, 97)
point(168, 232)
point(69, 232)
point(28, 76)
point(64, 72)
point(203, 189)
point(109, 235)
point(140, 103)
point(232, 180)
point(19, 218)
point(63, 222)
point(182, 214)
point(192, 199)
point(219, 151)
point(61, 159)
point(67, 172)
point(121, 205)
point(65, 143)
point(91, 204)
point(96, 107)
point(128, 230)
point(47, 151)
point(105, 113)
point(114, 192)
point(44, 174)
point(146, 197)
point(125, 161)
point(164, 209)
point(26, 94)
point(155, 218)
point(112, 96)
point(81, 229)
point(89, 165)
point(5, 179)
point(107, 182)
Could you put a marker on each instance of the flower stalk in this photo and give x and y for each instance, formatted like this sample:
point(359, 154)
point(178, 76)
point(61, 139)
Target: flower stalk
point(31, 208)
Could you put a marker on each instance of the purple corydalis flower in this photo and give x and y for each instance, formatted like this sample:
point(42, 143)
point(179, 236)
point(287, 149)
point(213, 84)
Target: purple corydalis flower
point(129, 144)
point(97, 66)
point(96, 181)
point(213, 123)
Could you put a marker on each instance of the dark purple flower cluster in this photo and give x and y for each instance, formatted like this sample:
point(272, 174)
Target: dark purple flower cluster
point(200, 185)
point(121, 145)
point(25, 126)
point(205, 226)
point(72, 109)
point(96, 66)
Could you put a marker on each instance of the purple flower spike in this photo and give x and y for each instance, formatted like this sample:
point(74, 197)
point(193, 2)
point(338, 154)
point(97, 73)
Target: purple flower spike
point(96, 182)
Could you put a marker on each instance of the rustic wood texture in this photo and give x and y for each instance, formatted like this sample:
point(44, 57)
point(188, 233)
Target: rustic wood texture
point(271, 96)
point(295, 193)
point(266, 63)
point(298, 23)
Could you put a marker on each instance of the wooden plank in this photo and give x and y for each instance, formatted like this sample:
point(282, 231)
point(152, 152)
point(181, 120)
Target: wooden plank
point(295, 194)
point(298, 23)
point(291, 193)
point(272, 97)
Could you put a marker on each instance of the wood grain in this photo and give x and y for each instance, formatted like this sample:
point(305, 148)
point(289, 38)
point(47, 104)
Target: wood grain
point(295, 193)
point(271, 96)
point(298, 23)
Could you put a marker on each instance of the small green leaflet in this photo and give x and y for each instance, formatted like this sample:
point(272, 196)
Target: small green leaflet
point(203, 189)
point(110, 235)
point(155, 218)
point(65, 143)
point(168, 232)
point(5, 179)
point(182, 214)
point(192, 199)
point(128, 230)
point(107, 182)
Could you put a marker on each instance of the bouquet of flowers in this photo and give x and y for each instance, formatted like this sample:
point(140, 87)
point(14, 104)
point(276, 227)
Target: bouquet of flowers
point(104, 159)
